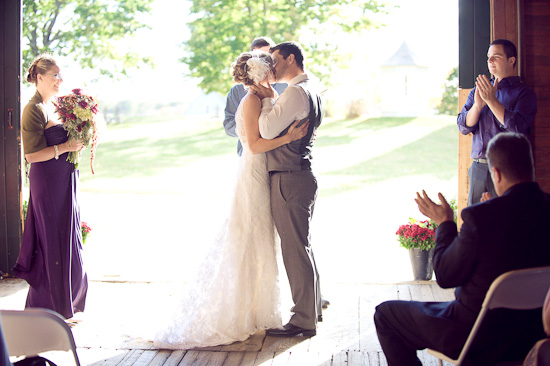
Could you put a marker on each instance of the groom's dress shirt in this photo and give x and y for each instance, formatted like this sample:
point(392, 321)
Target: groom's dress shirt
point(292, 104)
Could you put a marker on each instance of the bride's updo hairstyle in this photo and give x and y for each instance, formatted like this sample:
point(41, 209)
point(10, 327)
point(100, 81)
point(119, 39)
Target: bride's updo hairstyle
point(252, 67)
point(40, 65)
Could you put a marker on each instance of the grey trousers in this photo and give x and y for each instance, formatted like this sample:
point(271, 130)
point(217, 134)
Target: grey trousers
point(293, 197)
point(480, 181)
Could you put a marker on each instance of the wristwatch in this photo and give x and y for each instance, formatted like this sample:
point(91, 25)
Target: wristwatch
point(56, 152)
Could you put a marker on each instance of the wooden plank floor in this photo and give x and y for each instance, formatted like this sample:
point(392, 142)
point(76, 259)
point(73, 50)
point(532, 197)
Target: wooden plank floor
point(347, 335)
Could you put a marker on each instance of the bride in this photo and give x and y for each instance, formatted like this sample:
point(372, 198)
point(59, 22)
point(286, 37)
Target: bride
point(236, 290)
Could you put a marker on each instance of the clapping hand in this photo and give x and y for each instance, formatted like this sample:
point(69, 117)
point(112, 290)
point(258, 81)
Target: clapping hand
point(438, 213)
point(485, 90)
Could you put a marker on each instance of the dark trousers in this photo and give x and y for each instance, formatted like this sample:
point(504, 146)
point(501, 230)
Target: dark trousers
point(403, 327)
point(480, 181)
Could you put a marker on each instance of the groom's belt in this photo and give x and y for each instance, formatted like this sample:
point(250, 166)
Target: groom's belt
point(281, 172)
point(288, 171)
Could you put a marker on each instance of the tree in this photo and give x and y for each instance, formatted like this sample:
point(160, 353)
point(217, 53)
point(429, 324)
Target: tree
point(84, 29)
point(222, 29)
point(449, 100)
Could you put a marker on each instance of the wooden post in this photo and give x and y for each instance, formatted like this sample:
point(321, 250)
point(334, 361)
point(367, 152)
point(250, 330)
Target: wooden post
point(464, 160)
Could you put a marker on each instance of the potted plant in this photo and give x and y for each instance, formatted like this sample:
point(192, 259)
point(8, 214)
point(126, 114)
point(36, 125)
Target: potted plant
point(419, 238)
point(86, 229)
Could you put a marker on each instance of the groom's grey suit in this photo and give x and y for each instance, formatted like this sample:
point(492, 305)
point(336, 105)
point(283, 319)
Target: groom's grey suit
point(293, 194)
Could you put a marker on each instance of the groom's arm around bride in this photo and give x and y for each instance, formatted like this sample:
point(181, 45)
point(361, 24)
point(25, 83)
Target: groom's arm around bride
point(293, 184)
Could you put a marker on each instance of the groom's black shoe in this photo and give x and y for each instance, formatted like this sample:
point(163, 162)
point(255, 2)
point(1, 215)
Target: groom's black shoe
point(290, 330)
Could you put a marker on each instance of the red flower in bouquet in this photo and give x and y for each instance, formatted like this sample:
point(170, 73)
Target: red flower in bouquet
point(77, 112)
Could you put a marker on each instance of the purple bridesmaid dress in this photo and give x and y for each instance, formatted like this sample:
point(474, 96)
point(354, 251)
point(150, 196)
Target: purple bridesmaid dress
point(50, 258)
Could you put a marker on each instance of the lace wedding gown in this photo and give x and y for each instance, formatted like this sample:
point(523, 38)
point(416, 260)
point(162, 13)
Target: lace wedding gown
point(236, 288)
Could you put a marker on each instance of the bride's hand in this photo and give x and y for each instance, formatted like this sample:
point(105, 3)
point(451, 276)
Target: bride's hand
point(262, 92)
point(296, 132)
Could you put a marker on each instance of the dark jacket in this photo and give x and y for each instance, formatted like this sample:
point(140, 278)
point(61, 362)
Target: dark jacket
point(503, 234)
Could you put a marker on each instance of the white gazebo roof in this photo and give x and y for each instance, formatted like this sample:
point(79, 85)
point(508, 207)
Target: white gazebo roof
point(403, 57)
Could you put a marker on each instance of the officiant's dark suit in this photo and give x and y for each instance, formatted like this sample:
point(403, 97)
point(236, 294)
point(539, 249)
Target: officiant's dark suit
point(502, 234)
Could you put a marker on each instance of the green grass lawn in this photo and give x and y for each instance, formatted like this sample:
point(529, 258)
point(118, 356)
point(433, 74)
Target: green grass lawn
point(379, 149)
point(341, 132)
point(143, 147)
point(434, 154)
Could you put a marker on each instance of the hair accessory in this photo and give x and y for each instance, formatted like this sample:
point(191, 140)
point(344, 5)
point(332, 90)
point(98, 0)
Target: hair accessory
point(258, 69)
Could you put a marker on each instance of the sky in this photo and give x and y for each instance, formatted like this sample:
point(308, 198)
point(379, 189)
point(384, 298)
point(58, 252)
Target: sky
point(430, 27)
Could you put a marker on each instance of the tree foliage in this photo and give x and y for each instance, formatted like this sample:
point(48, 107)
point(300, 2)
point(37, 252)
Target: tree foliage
point(84, 29)
point(222, 29)
point(449, 99)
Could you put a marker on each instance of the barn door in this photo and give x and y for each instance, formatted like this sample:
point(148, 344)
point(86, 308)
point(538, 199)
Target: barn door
point(10, 132)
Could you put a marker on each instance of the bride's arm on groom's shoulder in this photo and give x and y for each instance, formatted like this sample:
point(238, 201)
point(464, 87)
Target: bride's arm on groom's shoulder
point(255, 142)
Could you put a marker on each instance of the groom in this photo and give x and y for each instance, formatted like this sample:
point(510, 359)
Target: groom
point(293, 184)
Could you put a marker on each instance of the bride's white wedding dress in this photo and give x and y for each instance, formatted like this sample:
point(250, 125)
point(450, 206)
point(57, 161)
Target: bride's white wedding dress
point(236, 288)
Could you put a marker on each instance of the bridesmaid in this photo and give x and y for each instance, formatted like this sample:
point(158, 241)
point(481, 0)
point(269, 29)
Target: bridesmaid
point(50, 258)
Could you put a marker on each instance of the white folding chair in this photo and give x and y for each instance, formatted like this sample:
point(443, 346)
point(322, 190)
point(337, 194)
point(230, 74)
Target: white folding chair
point(522, 289)
point(33, 331)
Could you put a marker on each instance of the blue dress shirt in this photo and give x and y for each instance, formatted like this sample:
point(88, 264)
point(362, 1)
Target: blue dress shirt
point(520, 105)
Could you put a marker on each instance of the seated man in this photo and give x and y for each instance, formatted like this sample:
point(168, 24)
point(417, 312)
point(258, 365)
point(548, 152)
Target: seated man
point(499, 235)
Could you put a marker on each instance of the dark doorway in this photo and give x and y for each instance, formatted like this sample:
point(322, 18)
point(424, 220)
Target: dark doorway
point(10, 146)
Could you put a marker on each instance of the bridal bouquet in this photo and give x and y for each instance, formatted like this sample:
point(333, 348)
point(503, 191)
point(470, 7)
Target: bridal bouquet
point(77, 112)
